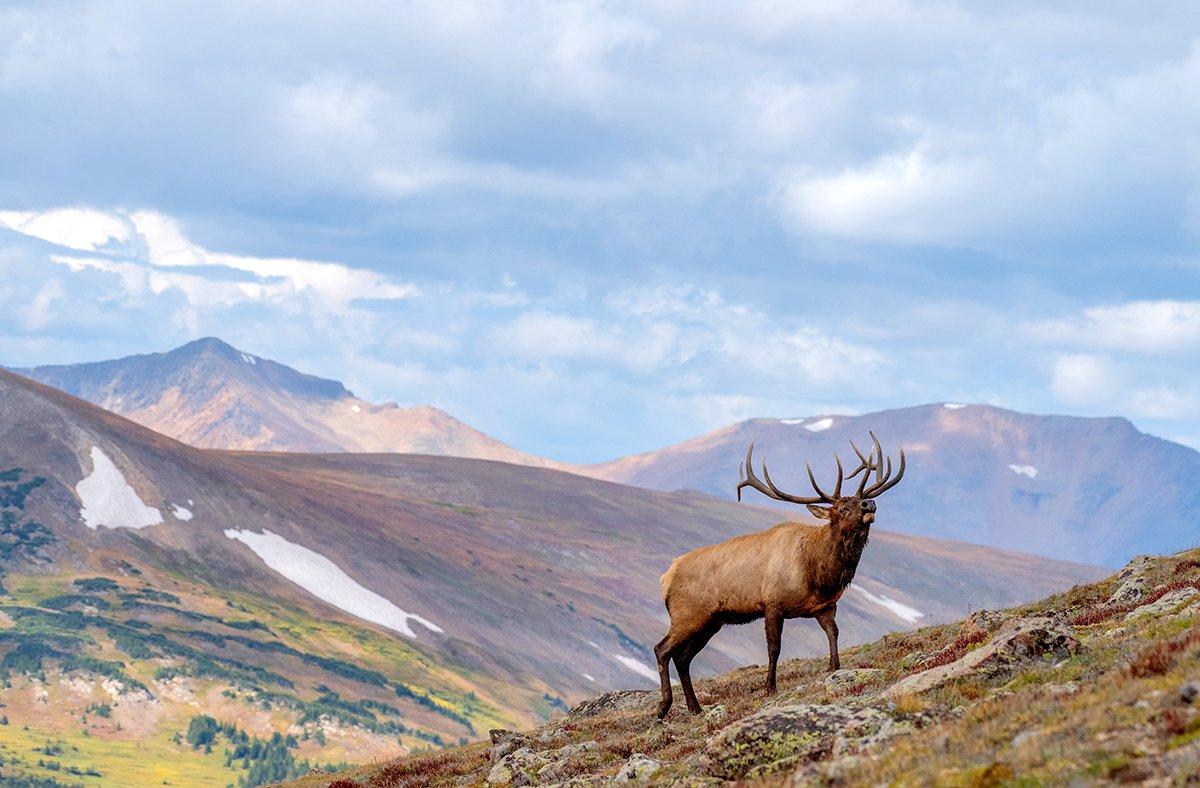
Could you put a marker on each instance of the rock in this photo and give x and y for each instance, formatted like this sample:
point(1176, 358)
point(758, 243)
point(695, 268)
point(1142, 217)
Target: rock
point(519, 767)
point(551, 736)
point(1132, 580)
point(1189, 691)
point(715, 715)
point(912, 659)
point(638, 767)
point(1179, 598)
point(560, 759)
point(782, 737)
point(1019, 641)
point(847, 677)
point(505, 741)
point(986, 620)
point(621, 700)
point(1062, 690)
point(523, 766)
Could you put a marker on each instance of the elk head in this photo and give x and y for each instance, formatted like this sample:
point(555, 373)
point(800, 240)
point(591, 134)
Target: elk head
point(849, 512)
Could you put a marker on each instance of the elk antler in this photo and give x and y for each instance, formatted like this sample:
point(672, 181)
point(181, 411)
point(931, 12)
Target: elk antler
point(768, 488)
point(883, 476)
point(874, 461)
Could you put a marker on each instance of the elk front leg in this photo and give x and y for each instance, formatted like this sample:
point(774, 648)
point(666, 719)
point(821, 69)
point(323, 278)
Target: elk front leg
point(827, 622)
point(774, 621)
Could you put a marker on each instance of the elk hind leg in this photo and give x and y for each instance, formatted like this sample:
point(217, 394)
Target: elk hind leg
point(675, 639)
point(683, 663)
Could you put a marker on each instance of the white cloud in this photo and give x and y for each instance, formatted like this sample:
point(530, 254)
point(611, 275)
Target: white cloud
point(1137, 326)
point(907, 197)
point(167, 247)
point(541, 335)
point(86, 229)
point(1082, 379)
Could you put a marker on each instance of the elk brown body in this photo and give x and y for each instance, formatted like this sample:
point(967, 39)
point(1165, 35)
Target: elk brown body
point(790, 571)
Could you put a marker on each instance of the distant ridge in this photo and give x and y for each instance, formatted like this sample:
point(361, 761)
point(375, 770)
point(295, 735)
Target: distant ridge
point(210, 394)
point(1092, 490)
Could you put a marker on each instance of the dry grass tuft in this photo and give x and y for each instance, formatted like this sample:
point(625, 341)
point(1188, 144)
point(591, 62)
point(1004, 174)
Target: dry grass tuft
point(1159, 658)
point(956, 650)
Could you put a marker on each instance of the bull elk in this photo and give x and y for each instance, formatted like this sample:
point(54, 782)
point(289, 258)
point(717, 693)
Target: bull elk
point(789, 571)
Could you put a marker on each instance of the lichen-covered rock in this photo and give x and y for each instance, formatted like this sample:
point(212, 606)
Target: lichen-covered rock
point(519, 767)
point(782, 737)
point(621, 700)
point(505, 741)
point(1169, 603)
point(715, 715)
point(1019, 641)
point(638, 767)
point(1132, 581)
point(523, 766)
point(848, 677)
point(986, 620)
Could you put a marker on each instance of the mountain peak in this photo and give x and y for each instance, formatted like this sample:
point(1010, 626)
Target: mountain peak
point(205, 344)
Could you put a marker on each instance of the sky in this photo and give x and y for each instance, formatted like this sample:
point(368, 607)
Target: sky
point(591, 229)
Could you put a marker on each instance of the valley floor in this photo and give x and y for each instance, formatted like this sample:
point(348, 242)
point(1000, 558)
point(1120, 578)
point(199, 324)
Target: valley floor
point(1097, 685)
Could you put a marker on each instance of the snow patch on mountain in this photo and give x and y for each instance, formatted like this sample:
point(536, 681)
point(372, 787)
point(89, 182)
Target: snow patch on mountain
point(636, 667)
point(791, 422)
point(180, 512)
point(249, 359)
point(820, 425)
point(355, 409)
point(109, 501)
point(1025, 470)
point(954, 406)
point(897, 608)
point(322, 578)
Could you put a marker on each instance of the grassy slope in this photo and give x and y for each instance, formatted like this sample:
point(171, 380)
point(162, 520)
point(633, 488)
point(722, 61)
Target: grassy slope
point(132, 742)
point(1117, 726)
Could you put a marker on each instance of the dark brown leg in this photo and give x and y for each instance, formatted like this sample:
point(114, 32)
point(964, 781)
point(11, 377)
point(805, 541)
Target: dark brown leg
point(774, 619)
point(683, 664)
point(662, 652)
point(827, 622)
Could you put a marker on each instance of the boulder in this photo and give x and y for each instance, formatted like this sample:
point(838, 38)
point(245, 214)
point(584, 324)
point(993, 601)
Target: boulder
point(1189, 691)
point(505, 741)
point(1019, 641)
point(1132, 581)
point(715, 715)
point(638, 767)
point(621, 700)
point(519, 767)
point(523, 766)
point(783, 737)
point(1169, 603)
point(848, 677)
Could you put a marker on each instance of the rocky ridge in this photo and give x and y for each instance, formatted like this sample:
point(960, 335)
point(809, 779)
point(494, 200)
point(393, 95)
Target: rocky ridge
point(1100, 684)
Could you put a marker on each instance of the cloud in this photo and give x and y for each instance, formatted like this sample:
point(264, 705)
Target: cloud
point(1082, 379)
point(1159, 327)
point(163, 247)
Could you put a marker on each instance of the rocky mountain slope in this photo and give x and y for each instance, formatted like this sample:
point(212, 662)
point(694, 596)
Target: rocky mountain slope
point(1080, 489)
point(1097, 685)
point(209, 394)
point(391, 601)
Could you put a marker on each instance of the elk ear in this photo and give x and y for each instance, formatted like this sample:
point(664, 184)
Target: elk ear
point(820, 512)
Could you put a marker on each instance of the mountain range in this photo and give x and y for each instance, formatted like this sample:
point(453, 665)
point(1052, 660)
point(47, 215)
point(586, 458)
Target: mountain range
point(361, 602)
point(212, 395)
point(1088, 490)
